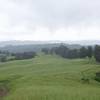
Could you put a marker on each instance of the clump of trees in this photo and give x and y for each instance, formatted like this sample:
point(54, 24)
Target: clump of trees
point(25, 55)
point(65, 52)
point(83, 52)
point(6, 56)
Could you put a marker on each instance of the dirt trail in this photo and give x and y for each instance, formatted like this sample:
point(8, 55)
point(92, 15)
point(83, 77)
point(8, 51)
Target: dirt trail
point(3, 91)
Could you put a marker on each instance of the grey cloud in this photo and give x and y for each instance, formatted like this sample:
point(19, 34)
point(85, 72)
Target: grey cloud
point(67, 12)
point(51, 13)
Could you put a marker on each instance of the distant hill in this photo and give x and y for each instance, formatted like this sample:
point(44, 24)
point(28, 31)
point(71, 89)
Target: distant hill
point(16, 42)
point(25, 46)
point(85, 42)
point(34, 47)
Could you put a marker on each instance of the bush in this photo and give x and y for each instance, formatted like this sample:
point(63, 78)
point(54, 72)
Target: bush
point(97, 77)
point(85, 80)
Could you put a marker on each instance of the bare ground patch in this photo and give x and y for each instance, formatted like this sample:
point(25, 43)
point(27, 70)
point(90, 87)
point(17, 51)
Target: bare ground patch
point(3, 91)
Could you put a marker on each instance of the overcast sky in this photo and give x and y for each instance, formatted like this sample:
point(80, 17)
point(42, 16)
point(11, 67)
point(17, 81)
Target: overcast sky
point(49, 20)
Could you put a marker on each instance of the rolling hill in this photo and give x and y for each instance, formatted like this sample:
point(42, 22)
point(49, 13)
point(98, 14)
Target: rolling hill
point(49, 77)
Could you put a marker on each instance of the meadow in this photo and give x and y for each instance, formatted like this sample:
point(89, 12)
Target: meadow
point(48, 77)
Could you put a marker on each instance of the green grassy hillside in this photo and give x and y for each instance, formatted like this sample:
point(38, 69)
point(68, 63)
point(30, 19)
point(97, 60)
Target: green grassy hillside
point(49, 78)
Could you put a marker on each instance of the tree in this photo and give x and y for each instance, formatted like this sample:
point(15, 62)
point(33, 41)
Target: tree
point(89, 52)
point(3, 58)
point(83, 52)
point(62, 51)
point(73, 54)
point(45, 50)
point(97, 53)
point(65, 52)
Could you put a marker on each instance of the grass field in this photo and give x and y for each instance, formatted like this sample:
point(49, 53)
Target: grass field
point(49, 78)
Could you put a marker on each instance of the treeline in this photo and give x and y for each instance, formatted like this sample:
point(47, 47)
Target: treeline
point(25, 55)
point(83, 52)
point(6, 56)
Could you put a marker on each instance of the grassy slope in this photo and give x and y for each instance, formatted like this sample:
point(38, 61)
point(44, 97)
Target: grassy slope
point(50, 78)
